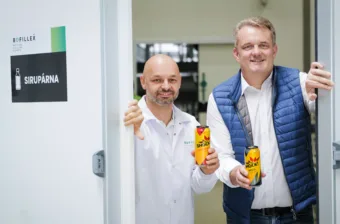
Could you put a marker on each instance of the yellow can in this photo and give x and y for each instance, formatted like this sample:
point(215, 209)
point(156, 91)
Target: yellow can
point(253, 165)
point(202, 144)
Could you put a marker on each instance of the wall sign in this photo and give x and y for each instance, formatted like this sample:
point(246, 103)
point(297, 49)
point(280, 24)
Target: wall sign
point(39, 77)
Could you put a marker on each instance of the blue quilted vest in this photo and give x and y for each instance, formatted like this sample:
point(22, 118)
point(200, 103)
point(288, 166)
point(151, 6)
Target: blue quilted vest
point(293, 131)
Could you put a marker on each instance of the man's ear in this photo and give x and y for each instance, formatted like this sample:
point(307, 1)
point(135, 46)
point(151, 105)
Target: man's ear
point(142, 81)
point(236, 54)
point(275, 48)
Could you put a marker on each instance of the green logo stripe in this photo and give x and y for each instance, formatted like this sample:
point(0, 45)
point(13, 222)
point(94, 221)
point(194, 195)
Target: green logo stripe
point(58, 39)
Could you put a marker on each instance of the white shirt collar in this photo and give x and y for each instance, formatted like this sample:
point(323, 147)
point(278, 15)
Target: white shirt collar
point(266, 84)
point(148, 115)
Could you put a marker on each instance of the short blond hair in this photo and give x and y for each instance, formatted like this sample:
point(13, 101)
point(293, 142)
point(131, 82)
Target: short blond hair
point(257, 21)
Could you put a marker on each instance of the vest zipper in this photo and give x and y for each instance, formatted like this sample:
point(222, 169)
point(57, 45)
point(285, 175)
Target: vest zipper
point(294, 213)
point(249, 143)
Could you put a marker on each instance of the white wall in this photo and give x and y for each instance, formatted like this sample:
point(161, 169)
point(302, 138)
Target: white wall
point(217, 62)
point(189, 19)
point(47, 147)
point(201, 20)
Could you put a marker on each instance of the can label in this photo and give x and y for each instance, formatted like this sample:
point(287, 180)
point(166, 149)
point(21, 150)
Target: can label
point(202, 144)
point(253, 165)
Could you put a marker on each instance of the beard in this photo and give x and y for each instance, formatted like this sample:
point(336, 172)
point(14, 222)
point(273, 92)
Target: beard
point(162, 101)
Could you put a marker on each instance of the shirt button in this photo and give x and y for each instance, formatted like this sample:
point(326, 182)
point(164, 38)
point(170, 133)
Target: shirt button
point(174, 201)
point(174, 133)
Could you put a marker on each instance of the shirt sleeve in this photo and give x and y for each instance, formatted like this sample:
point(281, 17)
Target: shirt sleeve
point(221, 142)
point(309, 104)
point(202, 183)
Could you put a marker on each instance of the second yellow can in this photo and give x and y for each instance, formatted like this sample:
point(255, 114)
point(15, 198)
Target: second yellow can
point(252, 161)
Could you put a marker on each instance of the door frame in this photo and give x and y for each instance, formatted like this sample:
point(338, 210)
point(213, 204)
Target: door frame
point(118, 140)
point(327, 21)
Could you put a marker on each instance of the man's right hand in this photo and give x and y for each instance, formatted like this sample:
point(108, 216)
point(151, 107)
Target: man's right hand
point(239, 177)
point(134, 116)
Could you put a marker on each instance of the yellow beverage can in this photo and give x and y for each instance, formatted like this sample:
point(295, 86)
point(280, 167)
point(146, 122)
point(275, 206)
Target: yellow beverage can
point(252, 162)
point(202, 144)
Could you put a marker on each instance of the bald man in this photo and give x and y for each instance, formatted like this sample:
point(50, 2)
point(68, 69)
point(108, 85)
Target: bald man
point(166, 174)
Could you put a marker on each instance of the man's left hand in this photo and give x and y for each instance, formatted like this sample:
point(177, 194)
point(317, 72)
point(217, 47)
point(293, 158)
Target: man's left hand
point(317, 78)
point(212, 162)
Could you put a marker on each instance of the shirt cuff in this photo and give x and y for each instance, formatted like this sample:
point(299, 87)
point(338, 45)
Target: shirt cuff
point(204, 176)
point(311, 106)
point(223, 173)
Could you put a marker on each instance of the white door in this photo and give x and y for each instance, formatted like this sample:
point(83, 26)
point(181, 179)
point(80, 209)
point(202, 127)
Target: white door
point(328, 110)
point(63, 66)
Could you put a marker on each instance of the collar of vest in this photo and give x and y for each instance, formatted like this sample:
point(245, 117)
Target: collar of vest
point(235, 91)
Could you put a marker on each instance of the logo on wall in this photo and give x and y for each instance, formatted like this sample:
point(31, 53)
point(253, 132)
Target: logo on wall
point(23, 39)
point(18, 42)
point(41, 77)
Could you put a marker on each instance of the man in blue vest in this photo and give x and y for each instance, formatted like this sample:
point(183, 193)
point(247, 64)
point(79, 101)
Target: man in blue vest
point(267, 106)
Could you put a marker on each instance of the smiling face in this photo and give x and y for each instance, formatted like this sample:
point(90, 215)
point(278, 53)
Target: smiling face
point(255, 50)
point(161, 80)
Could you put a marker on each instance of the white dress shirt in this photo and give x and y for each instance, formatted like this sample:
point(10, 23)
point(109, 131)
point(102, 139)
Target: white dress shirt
point(274, 190)
point(166, 174)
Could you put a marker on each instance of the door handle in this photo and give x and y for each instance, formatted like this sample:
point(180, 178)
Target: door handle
point(98, 163)
point(336, 155)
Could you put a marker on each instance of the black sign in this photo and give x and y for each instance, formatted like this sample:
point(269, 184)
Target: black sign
point(39, 77)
